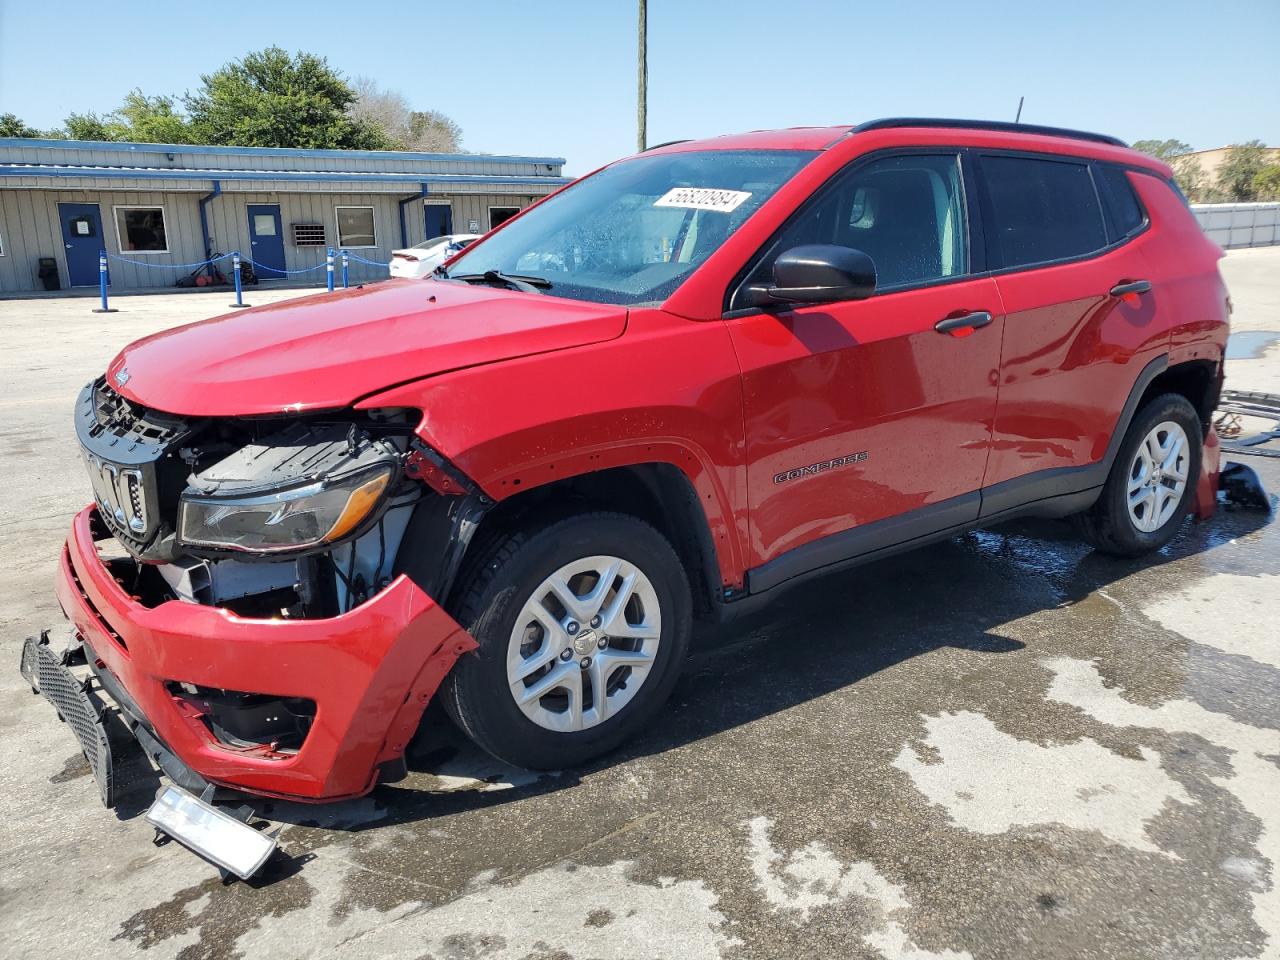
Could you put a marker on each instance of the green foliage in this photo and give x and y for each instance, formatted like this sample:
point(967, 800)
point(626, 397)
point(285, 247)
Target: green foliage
point(266, 99)
point(89, 126)
point(1266, 183)
point(272, 99)
point(1244, 161)
point(11, 126)
point(152, 120)
point(1165, 150)
point(1187, 171)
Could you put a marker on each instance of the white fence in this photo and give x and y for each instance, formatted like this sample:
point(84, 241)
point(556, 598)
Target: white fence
point(1233, 225)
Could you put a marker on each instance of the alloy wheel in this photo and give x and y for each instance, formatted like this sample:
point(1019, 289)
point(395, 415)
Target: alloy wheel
point(1158, 476)
point(584, 643)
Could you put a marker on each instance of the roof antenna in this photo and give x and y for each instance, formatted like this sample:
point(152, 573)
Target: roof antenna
point(1018, 118)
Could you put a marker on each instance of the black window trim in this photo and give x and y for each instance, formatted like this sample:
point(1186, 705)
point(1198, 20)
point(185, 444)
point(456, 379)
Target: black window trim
point(1109, 201)
point(993, 255)
point(972, 237)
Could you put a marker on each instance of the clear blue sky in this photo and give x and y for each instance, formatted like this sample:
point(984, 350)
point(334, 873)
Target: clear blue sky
point(558, 78)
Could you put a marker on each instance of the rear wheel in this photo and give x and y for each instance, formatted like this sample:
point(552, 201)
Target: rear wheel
point(583, 625)
point(1152, 482)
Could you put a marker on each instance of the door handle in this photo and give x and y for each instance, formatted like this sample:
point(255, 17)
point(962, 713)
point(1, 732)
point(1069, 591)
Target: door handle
point(964, 324)
point(1130, 288)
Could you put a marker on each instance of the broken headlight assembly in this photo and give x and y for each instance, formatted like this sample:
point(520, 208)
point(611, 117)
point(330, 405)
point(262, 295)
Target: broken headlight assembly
point(308, 486)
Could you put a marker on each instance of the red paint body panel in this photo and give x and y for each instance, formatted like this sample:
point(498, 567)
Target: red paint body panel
point(520, 390)
point(329, 350)
point(833, 380)
point(359, 668)
point(1071, 355)
point(668, 392)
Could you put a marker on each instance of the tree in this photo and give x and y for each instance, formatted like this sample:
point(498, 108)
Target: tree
point(1243, 162)
point(432, 132)
point(11, 126)
point(272, 99)
point(90, 126)
point(1165, 150)
point(1187, 171)
point(152, 120)
point(1266, 183)
point(408, 129)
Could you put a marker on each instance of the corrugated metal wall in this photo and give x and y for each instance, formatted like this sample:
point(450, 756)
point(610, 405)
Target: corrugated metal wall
point(1233, 225)
point(29, 228)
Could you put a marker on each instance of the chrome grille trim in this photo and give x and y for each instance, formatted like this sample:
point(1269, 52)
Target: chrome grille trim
point(119, 495)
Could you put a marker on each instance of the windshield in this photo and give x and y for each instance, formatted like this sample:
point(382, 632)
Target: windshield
point(431, 244)
point(631, 233)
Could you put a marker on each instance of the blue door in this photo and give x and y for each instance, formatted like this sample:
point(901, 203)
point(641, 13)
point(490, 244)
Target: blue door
point(439, 219)
point(82, 236)
point(266, 240)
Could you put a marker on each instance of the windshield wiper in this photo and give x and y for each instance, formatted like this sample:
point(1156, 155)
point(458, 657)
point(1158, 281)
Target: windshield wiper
point(521, 283)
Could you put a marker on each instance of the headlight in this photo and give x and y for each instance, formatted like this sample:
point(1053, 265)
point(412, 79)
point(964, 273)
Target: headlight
point(288, 519)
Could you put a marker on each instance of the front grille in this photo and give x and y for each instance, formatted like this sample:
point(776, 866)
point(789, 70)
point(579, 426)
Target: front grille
point(128, 422)
point(124, 445)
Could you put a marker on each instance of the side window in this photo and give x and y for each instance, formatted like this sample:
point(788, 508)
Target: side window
point(905, 212)
point(1041, 210)
point(1127, 216)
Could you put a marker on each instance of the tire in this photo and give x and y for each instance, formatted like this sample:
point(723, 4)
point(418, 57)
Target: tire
point(1110, 526)
point(507, 590)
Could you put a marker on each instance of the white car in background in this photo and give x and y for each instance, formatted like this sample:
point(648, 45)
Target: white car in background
point(420, 259)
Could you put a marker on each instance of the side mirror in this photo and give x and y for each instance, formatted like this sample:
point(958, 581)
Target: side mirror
point(817, 273)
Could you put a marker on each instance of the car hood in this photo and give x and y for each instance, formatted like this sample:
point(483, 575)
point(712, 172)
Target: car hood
point(330, 350)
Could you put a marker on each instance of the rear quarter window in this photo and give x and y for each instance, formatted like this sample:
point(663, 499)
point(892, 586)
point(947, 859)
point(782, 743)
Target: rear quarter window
point(1127, 215)
point(1041, 210)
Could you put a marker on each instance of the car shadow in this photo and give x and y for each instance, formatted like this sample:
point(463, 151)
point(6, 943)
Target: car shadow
point(821, 636)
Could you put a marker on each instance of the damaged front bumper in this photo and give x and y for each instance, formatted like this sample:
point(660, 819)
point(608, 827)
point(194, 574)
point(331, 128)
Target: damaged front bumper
point(369, 672)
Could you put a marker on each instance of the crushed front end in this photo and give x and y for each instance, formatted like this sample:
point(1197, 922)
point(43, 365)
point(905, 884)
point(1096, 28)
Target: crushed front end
point(240, 590)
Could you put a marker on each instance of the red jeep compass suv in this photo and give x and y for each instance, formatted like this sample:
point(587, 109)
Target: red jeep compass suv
point(667, 391)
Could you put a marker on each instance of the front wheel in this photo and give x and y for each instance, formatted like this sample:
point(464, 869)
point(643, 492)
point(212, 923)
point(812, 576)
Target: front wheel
point(583, 625)
point(1152, 482)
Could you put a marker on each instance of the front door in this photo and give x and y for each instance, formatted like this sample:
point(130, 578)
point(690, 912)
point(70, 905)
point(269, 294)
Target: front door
point(83, 240)
point(867, 425)
point(266, 240)
point(439, 219)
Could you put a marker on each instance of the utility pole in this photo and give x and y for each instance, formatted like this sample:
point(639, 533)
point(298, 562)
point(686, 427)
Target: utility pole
point(642, 78)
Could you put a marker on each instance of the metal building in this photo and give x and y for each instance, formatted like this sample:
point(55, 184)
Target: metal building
point(62, 201)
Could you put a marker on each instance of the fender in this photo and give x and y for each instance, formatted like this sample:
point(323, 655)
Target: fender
point(517, 425)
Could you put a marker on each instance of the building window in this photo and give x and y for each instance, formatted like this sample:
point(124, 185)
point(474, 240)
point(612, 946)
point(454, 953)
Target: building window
point(500, 215)
point(141, 230)
point(355, 227)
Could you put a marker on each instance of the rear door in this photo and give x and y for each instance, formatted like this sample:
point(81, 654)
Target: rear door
point(1072, 348)
point(82, 241)
point(865, 424)
point(266, 240)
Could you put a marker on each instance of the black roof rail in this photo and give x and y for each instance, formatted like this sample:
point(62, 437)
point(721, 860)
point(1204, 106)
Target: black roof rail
point(669, 143)
point(1000, 125)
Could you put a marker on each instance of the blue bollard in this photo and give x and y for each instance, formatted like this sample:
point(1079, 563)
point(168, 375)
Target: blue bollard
point(235, 270)
point(102, 283)
point(328, 271)
point(345, 262)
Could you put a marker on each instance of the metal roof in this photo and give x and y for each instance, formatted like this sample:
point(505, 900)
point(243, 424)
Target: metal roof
point(201, 149)
point(312, 176)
